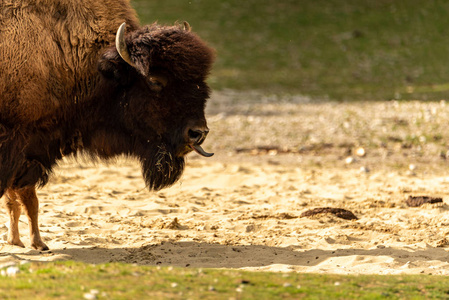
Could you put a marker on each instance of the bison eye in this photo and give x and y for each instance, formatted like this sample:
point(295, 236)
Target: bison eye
point(158, 82)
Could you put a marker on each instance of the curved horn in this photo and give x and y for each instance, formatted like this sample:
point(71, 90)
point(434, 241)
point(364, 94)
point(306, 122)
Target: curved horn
point(121, 47)
point(187, 26)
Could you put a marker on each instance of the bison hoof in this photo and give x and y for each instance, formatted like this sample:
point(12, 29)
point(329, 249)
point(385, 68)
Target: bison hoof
point(40, 246)
point(17, 243)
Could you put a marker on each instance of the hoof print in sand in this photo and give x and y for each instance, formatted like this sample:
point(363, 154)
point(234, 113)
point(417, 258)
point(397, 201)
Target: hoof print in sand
point(339, 212)
point(416, 201)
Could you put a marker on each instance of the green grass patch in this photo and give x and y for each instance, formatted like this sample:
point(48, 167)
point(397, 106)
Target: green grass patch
point(386, 49)
point(71, 280)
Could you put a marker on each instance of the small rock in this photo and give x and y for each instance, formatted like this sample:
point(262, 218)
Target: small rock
point(273, 152)
point(12, 271)
point(364, 170)
point(89, 296)
point(339, 212)
point(360, 152)
point(349, 160)
point(416, 201)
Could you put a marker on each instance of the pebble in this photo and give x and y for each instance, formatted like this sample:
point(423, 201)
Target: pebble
point(361, 152)
point(89, 296)
point(349, 160)
point(11, 271)
point(92, 295)
point(364, 170)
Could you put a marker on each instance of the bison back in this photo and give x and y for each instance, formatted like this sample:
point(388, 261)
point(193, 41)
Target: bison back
point(48, 64)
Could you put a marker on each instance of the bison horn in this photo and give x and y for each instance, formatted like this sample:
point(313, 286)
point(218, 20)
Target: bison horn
point(186, 26)
point(121, 47)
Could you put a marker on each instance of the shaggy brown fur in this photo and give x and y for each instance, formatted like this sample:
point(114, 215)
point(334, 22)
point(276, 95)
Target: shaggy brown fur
point(64, 89)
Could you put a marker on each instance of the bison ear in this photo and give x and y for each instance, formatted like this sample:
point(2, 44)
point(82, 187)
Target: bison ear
point(111, 66)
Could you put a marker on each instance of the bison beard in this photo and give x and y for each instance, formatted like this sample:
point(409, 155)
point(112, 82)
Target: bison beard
point(161, 168)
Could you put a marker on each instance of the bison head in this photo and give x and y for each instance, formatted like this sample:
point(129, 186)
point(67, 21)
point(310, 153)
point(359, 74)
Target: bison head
point(156, 76)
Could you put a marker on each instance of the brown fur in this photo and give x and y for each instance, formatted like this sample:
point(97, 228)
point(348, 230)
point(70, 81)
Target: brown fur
point(64, 89)
point(52, 50)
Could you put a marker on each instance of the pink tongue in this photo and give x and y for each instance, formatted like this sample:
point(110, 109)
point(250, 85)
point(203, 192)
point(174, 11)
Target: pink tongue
point(201, 151)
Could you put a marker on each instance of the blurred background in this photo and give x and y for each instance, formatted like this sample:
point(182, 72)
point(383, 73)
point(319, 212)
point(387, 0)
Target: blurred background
point(323, 49)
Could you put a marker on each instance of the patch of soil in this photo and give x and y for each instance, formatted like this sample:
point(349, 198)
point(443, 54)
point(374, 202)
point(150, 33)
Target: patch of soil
point(416, 201)
point(339, 212)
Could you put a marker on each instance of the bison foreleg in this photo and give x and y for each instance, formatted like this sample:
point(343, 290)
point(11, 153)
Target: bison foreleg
point(13, 209)
point(27, 197)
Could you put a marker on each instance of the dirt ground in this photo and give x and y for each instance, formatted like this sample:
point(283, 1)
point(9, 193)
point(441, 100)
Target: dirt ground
point(276, 158)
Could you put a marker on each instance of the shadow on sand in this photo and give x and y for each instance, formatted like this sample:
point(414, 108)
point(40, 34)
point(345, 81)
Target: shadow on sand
point(204, 255)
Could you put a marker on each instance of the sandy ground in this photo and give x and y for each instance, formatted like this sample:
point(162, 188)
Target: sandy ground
point(275, 159)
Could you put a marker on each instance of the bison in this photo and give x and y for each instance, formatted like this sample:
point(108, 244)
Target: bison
point(84, 77)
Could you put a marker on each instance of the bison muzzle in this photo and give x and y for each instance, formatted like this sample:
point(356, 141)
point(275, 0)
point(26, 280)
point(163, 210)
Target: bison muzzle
point(83, 77)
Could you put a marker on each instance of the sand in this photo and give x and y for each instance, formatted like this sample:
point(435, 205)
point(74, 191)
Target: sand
point(275, 159)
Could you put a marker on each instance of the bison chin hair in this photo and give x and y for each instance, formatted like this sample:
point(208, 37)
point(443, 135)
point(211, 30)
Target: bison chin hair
point(161, 168)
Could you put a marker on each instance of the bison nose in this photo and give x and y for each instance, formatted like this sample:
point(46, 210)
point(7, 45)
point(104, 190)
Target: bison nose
point(197, 136)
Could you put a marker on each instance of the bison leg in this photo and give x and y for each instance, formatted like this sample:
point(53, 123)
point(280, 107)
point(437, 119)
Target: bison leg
point(13, 209)
point(27, 197)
